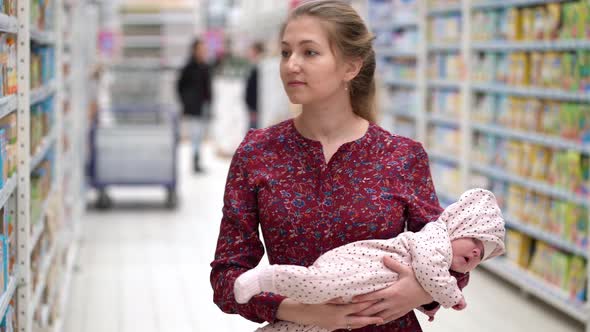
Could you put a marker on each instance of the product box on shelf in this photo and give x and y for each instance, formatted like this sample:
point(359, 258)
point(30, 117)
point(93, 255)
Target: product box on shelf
point(518, 248)
point(577, 279)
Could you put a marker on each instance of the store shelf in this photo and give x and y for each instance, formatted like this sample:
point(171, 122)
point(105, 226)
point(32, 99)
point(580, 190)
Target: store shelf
point(440, 156)
point(443, 119)
point(43, 149)
point(393, 53)
point(39, 228)
point(65, 289)
point(552, 239)
point(443, 84)
point(537, 186)
point(8, 294)
point(493, 4)
point(157, 19)
point(404, 113)
point(532, 46)
point(40, 94)
point(142, 42)
point(541, 139)
point(7, 190)
point(43, 273)
point(393, 26)
point(400, 82)
point(7, 105)
point(434, 47)
point(42, 37)
point(445, 10)
point(536, 286)
point(533, 92)
point(8, 24)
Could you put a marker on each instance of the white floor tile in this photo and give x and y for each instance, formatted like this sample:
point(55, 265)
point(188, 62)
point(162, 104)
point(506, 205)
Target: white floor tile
point(143, 268)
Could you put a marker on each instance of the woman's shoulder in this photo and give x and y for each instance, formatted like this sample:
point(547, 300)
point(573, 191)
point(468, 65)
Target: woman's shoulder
point(265, 139)
point(389, 141)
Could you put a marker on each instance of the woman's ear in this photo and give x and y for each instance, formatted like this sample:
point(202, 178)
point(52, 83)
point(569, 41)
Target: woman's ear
point(353, 67)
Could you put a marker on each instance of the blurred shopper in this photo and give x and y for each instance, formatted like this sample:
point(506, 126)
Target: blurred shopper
point(194, 90)
point(326, 178)
point(251, 94)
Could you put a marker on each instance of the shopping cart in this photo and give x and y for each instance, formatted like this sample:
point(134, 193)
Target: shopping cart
point(135, 141)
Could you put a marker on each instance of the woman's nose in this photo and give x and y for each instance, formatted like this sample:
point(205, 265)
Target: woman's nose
point(293, 64)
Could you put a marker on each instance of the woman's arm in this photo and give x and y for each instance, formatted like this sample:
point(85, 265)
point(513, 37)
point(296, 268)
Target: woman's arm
point(331, 316)
point(239, 247)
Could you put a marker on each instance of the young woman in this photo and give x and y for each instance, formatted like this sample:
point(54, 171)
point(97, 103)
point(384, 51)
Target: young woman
point(326, 178)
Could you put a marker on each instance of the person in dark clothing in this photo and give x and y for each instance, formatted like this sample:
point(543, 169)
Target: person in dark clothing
point(251, 94)
point(194, 90)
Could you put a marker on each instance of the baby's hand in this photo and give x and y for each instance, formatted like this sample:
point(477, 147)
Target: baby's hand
point(461, 305)
point(431, 313)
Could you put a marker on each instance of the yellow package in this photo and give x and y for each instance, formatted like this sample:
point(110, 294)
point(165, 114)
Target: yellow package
point(577, 279)
point(540, 20)
point(518, 247)
point(539, 161)
point(528, 23)
point(514, 24)
point(536, 64)
point(542, 212)
point(553, 21)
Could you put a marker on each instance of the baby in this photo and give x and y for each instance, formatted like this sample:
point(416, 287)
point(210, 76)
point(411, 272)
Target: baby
point(468, 232)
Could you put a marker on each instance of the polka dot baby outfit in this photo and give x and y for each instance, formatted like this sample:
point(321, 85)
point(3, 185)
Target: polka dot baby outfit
point(357, 268)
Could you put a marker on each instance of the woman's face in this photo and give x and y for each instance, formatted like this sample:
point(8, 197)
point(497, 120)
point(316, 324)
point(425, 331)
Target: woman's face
point(310, 71)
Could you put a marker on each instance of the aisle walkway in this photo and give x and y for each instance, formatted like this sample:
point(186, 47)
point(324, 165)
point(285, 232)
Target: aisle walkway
point(142, 268)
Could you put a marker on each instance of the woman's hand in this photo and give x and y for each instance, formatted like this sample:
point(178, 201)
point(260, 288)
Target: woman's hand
point(331, 315)
point(398, 299)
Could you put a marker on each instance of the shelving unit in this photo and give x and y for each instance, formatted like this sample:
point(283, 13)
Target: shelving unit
point(462, 109)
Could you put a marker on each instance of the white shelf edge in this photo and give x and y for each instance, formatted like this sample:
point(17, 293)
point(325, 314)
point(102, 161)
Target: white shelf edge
point(8, 189)
point(536, 286)
point(42, 281)
point(534, 185)
point(540, 234)
point(546, 140)
point(43, 149)
point(445, 10)
point(8, 294)
point(8, 24)
point(443, 83)
point(42, 37)
point(7, 105)
point(43, 92)
point(435, 155)
point(548, 45)
point(490, 4)
point(531, 92)
point(405, 83)
point(442, 119)
point(443, 47)
point(384, 51)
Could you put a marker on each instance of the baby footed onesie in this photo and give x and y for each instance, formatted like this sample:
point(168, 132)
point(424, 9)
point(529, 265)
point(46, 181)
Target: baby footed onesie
point(357, 268)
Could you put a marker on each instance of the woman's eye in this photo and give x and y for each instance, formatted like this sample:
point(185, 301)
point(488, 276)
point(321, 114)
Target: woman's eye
point(285, 54)
point(311, 53)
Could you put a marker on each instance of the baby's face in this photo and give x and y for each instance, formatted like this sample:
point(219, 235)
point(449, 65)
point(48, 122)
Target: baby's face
point(467, 254)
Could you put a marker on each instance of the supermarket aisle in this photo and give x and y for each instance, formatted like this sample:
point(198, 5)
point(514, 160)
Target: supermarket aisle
point(148, 270)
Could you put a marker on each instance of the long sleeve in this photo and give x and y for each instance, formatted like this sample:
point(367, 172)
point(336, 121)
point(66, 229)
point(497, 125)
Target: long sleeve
point(251, 90)
point(208, 93)
point(431, 260)
point(181, 83)
point(239, 247)
point(423, 206)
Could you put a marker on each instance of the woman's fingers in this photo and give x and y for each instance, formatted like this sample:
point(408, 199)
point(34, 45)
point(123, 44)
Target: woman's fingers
point(357, 322)
point(396, 267)
point(337, 300)
point(374, 309)
point(374, 296)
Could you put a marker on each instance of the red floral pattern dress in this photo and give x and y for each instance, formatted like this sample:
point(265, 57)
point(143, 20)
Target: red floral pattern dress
point(371, 188)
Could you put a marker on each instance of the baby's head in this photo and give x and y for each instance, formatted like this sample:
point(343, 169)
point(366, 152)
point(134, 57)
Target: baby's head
point(476, 229)
point(468, 252)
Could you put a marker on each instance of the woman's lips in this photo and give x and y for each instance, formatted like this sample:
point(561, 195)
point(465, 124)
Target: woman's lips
point(296, 83)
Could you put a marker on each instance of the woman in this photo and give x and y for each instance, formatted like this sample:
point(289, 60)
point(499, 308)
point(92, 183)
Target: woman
point(194, 90)
point(326, 178)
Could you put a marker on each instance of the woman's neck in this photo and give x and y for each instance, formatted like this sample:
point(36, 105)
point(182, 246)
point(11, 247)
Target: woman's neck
point(330, 124)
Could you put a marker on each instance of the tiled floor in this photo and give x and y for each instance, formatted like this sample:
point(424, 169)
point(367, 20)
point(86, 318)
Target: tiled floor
point(142, 268)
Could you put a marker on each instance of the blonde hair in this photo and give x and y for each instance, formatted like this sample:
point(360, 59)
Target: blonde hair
point(350, 35)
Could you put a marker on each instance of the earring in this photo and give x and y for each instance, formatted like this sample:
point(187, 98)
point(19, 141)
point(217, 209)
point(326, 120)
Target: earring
point(345, 86)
